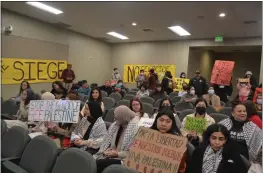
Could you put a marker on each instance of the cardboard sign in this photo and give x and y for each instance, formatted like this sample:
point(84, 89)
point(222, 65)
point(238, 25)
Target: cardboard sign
point(146, 122)
point(179, 83)
point(66, 111)
point(195, 124)
point(258, 92)
point(222, 72)
point(131, 72)
point(14, 71)
point(155, 152)
point(243, 80)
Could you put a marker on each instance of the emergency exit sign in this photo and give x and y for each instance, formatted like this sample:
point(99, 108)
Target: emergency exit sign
point(219, 39)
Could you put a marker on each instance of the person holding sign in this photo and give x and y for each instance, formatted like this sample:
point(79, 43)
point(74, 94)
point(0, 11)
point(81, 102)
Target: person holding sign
point(91, 130)
point(217, 153)
point(120, 135)
point(137, 107)
point(212, 99)
point(244, 89)
point(194, 125)
point(165, 123)
point(244, 132)
point(158, 93)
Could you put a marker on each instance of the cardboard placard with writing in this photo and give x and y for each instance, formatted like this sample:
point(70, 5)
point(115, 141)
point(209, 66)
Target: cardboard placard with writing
point(131, 71)
point(146, 122)
point(179, 83)
point(195, 124)
point(66, 111)
point(243, 80)
point(258, 92)
point(155, 152)
point(222, 72)
point(14, 71)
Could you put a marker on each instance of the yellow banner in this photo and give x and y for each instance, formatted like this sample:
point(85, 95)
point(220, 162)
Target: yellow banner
point(131, 71)
point(179, 82)
point(14, 71)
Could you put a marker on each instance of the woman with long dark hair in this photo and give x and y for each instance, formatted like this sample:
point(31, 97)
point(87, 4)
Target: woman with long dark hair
point(97, 97)
point(137, 107)
point(23, 86)
point(58, 88)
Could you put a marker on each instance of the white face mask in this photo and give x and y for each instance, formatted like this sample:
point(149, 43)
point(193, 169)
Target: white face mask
point(192, 92)
point(211, 92)
point(259, 101)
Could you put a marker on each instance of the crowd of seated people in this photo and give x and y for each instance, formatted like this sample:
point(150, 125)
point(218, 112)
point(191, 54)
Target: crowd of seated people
point(214, 146)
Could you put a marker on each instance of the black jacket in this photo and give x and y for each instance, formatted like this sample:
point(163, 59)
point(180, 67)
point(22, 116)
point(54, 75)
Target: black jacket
point(230, 163)
point(200, 85)
point(223, 92)
point(108, 90)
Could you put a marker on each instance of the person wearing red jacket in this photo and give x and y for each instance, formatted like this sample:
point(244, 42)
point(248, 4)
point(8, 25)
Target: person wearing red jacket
point(68, 76)
point(252, 113)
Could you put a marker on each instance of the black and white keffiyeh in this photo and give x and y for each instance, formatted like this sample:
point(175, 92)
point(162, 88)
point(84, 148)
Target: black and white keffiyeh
point(211, 160)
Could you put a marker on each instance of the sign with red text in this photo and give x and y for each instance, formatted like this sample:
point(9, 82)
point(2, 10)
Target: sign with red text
point(155, 152)
point(222, 72)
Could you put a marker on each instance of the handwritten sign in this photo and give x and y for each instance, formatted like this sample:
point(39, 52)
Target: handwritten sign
point(222, 72)
point(179, 83)
point(14, 71)
point(131, 72)
point(66, 111)
point(146, 122)
point(195, 124)
point(155, 152)
point(257, 94)
point(243, 80)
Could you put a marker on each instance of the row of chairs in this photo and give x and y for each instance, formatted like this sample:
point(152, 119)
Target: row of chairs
point(21, 154)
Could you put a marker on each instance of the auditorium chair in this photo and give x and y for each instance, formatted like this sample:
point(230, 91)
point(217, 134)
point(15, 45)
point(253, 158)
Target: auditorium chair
point(210, 110)
point(75, 160)
point(13, 143)
point(119, 169)
point(190, 151)
point(226, 111)
point(39, 156)
point(128, 97)
point(245, 161)
point(135, 89)
point(132, 92)
point(156, 104)
point(123, 102)
point(109, 116)
point(148, 108)
point(116, 96)
point(173, 94)
point(259, 114)
point(175, 99)
point(180, 106)
point(104, 94)
point(3, 128)
point(218, 117)
point(9, 107)
point(184, 113)
point(147, 100)
point(109, 103)
point(223, 104)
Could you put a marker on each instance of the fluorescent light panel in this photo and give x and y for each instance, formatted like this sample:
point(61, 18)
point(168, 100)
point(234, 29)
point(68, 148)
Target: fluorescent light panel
point(44, 7)
point(117, 35)
point(179, 30)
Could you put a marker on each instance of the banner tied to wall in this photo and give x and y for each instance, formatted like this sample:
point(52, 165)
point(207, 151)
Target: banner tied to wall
point(14, 71)
point(222, 72)
point(65, 111)
point(131, 71)
point(179, 83)
point(155, 152)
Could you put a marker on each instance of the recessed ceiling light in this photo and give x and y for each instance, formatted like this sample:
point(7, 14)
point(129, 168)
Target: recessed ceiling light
point(134, 24)
point(179, 30)
point(222, 15)
point(44, 7)
point(117, 35)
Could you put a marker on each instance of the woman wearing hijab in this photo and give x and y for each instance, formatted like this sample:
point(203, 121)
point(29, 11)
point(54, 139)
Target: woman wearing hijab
point(165, 123)
point(247, 134)
point(120, 134)
point(91, 130)
point(217, 153)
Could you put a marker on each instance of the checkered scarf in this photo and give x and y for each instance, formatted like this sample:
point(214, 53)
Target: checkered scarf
point(211, 160)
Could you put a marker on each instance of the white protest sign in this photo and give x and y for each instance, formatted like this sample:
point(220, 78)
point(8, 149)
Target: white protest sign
point(146, 122)
point(66, 111)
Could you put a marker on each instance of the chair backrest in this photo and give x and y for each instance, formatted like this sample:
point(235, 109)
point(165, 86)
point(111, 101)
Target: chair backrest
point(110, 116)
point(222, 103)
point(39, 155)
point(245, 161)
point(147, 100)
point(180, 106)
point(173, 94)
point(104, 94)
point(10, 107)
point(218, 117)
point(108, 102)
point(128, 97)
point(119, 169)
point(148, 108)
point(135, 89)
point(210, 110)
point(190, 151)
point(14, 142)
point(156, 104)
point(82, 161)
point(123, 102)
point(226, 110)
point(132, 92)
point(184, 113)
point(3, 128)
point(176, 99)
point(116, 96)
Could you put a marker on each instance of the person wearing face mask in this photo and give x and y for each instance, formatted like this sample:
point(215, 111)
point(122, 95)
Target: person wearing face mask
point(259, 102)
point(91, 130)
point(120, 135)
point(183, 75)
point(190, 96)
point(158, 93)
point(212, 99)
point(200, 112)
point(141, 79)
point(116, 74)
point(119, 87)
point(167, 82)
point(247, 134)
point(182, 93)
point(217, 153)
